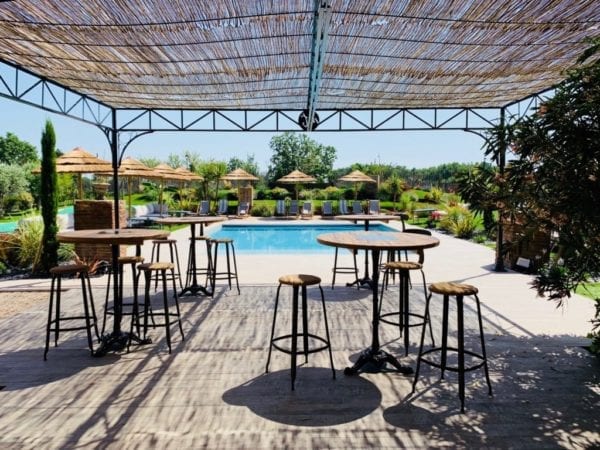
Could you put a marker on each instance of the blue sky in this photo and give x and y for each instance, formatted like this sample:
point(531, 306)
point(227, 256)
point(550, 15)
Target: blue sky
point(407, 148)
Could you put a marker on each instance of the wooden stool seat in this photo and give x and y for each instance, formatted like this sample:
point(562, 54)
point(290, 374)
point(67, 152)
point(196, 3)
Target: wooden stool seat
point(403, 265)
point(451, 288)
point(157, 265)
point(299, 280)
point(164, 241)
point(69, 269)
point(130, 259)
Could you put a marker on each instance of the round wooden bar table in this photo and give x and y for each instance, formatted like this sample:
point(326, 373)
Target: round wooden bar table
point(193, 288)
point(374, 357)
point(117, 339)
point(367, 219)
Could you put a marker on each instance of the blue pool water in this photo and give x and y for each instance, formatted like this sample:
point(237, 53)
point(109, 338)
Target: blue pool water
point(284, 238)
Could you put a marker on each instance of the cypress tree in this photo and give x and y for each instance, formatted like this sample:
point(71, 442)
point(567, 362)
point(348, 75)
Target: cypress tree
point(49, 200)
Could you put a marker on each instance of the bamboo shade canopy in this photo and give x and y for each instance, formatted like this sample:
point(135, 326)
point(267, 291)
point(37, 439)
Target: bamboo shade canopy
point(168, 173)
point(237, 55)
point(80, 161)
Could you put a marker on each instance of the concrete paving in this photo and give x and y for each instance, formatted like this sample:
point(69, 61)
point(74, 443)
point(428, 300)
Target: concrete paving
point(212, 390)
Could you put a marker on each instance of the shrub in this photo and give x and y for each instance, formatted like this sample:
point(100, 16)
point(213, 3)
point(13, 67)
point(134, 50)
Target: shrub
point(460, 222)
point(261, 211)
point(278, 193)
point(28, 241)
point(21, 201)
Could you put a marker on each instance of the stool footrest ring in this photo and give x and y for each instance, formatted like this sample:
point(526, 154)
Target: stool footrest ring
point(452, 368)
point(300, 337)
point(382, 318)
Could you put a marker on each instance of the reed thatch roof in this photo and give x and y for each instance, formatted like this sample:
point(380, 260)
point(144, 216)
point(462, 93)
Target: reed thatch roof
point(231, 54)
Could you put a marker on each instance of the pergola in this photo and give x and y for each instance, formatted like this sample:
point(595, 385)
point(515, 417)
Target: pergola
point(142, 66)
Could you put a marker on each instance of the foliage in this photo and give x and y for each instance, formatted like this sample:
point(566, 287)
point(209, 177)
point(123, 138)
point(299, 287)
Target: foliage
point(293, 151)
point(17, 152)
point(21, 201)
point(557, 175)
point(460, 222)
point(27, 242)
point(249, 165)
point(478, 187)
point(434, 195)
point(261, 211)
point(212, 171)
point(175, 161)
point(150, 162)
point(13, 181)
point(48, 196)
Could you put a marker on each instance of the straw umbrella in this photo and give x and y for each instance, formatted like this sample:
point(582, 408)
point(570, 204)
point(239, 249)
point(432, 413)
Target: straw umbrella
point(356, 177)
point(78, 161)
point(131, 168)
point(296, 177)
point(189, 178)
point(239, 175)
point(166, 172)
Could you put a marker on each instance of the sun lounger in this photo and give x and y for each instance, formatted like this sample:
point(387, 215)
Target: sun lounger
point(327, 210)
point(374, 207)
point(343, 207)
point(280, 208)
point(306, 212)
point(294, 208)
point(204, 208)
point(223, 207)
point(356, 207)
point(243, 210)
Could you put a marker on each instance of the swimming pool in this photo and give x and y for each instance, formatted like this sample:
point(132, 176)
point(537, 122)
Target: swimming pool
point(282, 238)
point(9, 227)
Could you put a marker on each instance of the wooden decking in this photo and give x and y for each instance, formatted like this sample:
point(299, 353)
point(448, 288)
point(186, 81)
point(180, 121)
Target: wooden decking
point(212, 391)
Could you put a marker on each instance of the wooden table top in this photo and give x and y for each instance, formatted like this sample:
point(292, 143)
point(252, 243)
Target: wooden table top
point(125, 236)
point(189, 220)
point(380, 217)
point(378, 240)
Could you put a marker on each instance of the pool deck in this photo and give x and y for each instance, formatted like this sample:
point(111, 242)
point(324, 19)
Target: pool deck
point(212, 391)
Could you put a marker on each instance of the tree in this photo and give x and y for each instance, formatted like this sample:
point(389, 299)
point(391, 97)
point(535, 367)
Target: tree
point(175, 161)
point(15, 151)
point(478, 187)
point(293, 151)
point(48, 195)
point(212, 171)
point(249, 165)
point(12, 181)
point(557, 177)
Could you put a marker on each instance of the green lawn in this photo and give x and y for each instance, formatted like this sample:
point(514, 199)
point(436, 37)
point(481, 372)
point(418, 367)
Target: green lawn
point(591, 290)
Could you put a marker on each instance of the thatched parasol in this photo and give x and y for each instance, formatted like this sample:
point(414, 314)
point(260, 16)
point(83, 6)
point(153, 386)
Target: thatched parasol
point(356, 177)
point(190, 176)
point(166, 172)
point(239, 175)
point(78, 161)
point(132, 168)
point(296, 177)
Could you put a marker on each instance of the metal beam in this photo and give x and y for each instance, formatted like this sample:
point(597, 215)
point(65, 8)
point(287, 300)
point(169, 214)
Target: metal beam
point(317, 58)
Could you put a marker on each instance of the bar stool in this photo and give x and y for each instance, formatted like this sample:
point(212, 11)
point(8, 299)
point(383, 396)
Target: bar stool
point(298, 281)
point(459, 291)
point(346, 269)
point(403, 313)
point(174, 258)
point(54, 324)
point(122, 261)
point(161, 270)
point(224, 275)
point(206, 270)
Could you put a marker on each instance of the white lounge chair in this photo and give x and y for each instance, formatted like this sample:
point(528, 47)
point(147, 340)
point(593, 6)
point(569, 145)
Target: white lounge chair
point(243, 209)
